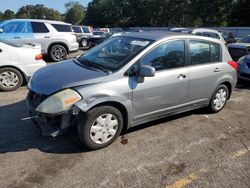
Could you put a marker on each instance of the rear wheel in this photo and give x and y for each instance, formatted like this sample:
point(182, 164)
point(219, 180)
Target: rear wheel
point(219, 99)
point(57, 53)
point(100, 126)
point(84, 43)
point(10, 79)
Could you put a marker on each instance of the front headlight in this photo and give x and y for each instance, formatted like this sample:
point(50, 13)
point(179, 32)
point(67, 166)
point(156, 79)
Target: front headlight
point(59, 102)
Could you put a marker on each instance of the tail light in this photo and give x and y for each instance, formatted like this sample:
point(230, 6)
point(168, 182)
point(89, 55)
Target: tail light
point(233, 64)
point(39, 57)
point(75, 35)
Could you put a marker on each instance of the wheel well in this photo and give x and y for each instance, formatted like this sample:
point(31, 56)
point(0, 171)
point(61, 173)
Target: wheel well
point(58, 43)
point(25, 78)
point(229, 87)
point(121, 108)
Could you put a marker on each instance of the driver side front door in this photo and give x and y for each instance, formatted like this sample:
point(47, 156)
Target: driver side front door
point(167, 90)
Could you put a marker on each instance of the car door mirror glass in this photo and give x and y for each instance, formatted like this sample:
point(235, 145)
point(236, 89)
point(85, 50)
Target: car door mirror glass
point(1, 30)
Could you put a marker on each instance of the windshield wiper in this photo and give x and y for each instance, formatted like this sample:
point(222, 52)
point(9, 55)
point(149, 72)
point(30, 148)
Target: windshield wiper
point(94, 65)
point(83, 65)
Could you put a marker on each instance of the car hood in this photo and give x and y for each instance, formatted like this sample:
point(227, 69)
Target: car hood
point(67, 74)
point(239, 45)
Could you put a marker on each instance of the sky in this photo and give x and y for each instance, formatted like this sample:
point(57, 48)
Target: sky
point(55, 4)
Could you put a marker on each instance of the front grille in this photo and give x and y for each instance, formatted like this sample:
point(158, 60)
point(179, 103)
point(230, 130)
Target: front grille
point(35, 99)
point(245, 75)
point(237, 53)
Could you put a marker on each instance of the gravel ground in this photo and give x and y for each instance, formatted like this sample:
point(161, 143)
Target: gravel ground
point(192, 149)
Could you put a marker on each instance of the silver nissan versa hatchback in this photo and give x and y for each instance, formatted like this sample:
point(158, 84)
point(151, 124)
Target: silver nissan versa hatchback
point(129, 80)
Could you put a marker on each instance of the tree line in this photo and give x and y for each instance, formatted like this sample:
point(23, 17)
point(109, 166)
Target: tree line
point(153, 13)
point(74, 14)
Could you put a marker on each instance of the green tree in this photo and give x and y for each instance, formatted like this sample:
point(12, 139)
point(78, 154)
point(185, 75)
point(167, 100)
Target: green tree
point(240, 13)
point(38, 12)
point(1, 16)
point(173, 13)
point(8, 14)
point(75, 12)
point(210, 13)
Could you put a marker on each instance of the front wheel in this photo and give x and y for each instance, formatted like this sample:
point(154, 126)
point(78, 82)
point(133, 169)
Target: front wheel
point(219, 99)
point(100, 127)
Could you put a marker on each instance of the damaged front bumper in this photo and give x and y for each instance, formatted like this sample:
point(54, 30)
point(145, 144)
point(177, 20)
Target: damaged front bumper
point(50, 125)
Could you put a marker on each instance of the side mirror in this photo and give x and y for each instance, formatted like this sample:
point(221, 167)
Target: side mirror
point(1, 30)
point(147, 71)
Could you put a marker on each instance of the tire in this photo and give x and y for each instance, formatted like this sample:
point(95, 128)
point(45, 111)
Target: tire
point(57, 53)
point(84, 43)
point(219, 99)
point(93, 129)
point(10, 79)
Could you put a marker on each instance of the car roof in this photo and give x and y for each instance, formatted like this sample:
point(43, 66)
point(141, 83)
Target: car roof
point(159, 35)
point(80, 26)
point(41, 20)
point(178, 29)
point(205, 30)
point(153, 35)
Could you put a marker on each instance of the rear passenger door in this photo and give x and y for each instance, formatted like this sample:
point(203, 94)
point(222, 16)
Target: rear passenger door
point(204, 69)
point(42, 35)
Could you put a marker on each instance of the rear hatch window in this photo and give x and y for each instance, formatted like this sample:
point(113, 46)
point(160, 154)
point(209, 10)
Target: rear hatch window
point(237, 53)
point(62, 27)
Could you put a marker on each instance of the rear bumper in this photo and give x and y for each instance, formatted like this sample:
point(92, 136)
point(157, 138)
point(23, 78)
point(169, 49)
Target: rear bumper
point(30, 69)
point(73, 47)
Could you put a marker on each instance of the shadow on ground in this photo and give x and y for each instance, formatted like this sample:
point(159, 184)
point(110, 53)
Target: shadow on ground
point(17, 135)
point(242, 85)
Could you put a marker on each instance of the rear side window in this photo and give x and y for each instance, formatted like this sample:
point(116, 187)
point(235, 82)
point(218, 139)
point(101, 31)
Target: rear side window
point(77, 29)
point(62, 27)
point(215, 52)
point(39, 27)
point(86, 30)
point(202, 52)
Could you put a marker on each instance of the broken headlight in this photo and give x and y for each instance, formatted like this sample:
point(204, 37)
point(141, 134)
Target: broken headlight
point(59, 102)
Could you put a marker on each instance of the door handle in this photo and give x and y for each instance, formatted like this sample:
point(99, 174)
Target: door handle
point(217, 70)
point(182, 76)
point(17, 37)
point(47, 37)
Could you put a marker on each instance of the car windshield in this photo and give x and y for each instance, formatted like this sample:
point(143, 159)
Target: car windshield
point(246, 39)
point(114, 53)
point(14, 44)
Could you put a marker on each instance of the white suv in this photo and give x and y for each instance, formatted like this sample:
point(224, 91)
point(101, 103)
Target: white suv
point(56, 38)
